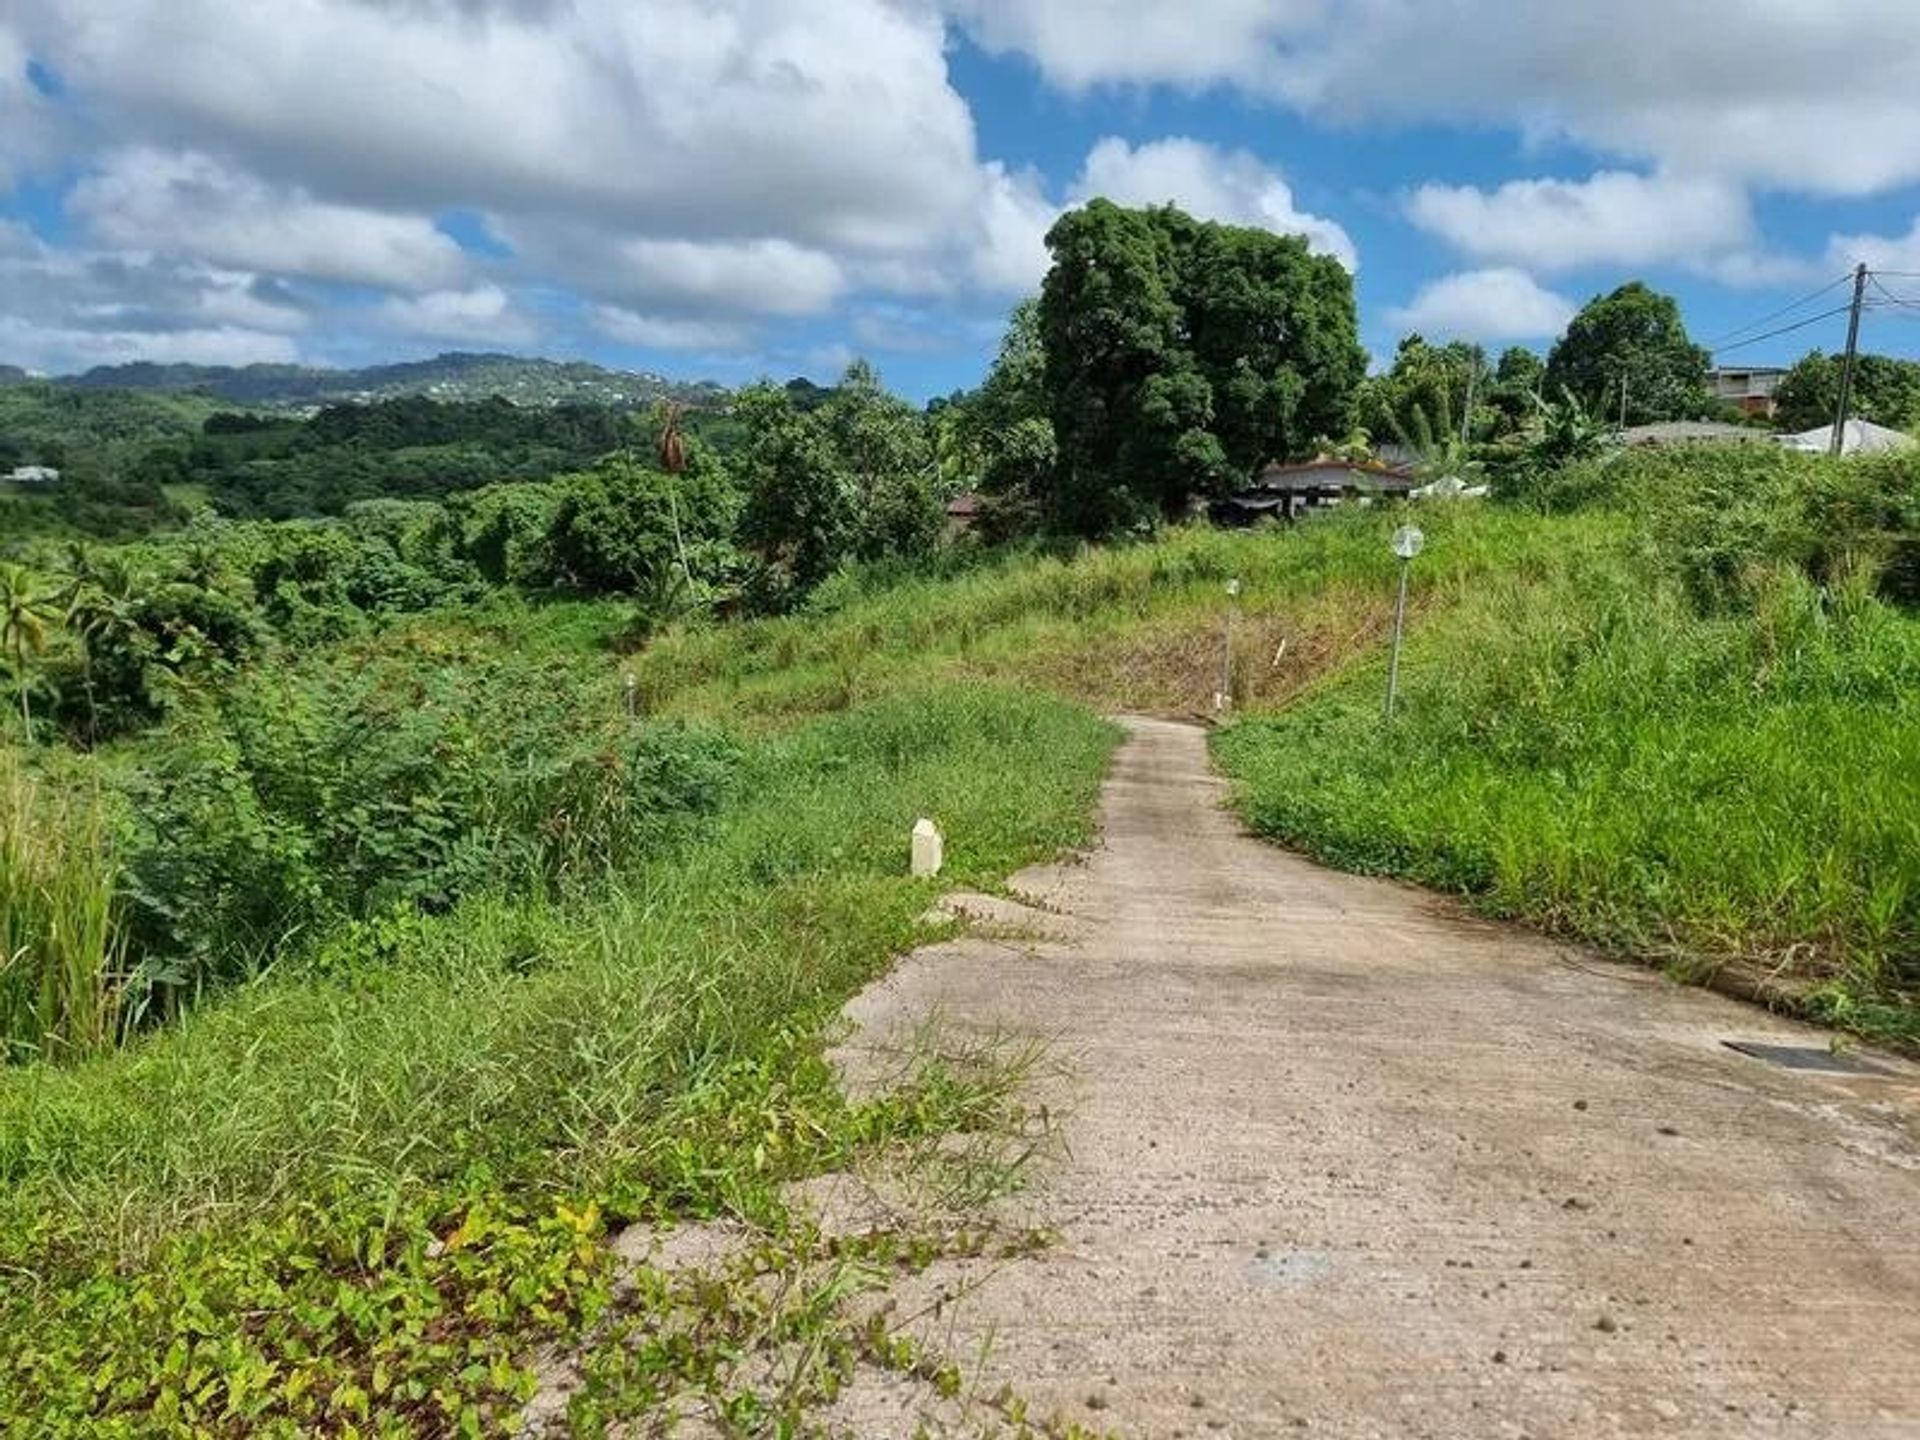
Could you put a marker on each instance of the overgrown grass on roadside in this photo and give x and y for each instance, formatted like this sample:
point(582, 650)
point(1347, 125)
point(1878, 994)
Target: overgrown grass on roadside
point(1585, 750)
point(344, 1197)
point(59, 951)
point(1129, 627)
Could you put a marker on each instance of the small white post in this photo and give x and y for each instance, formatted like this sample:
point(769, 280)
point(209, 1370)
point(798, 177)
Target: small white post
point(929, 849)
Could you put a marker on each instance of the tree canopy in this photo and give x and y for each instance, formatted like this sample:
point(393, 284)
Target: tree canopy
point(1886, 391)
point(1633, 338)
point(1179, 354)
point(851, 478)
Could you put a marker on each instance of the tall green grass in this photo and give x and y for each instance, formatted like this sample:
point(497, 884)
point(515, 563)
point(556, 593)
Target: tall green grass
point(1126, 626)
point(1587, 750)
point(59, 943)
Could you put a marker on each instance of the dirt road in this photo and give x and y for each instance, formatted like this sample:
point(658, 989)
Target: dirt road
point(1338, 1160)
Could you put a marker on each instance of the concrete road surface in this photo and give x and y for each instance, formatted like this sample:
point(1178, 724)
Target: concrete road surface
point(1340, 1161)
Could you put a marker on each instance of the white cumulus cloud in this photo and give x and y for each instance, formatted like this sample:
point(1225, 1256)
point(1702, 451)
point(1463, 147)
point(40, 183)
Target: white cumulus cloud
point(61, 348)
point(1213, 184)
point(833, 122)
point(665, 332)
point(483, 315)
point(1809, 95)
point(1611, 218)
point(25, 121)
point(1882, 252)
point(65, 309)
point(1084, 43)
point(189, 204)
point(1491, 305)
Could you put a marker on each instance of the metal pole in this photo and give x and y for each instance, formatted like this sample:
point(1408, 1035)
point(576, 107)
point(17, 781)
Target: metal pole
point(1399, 627)
point(1846, 369)
point(1223, 697)
point(1226, 660)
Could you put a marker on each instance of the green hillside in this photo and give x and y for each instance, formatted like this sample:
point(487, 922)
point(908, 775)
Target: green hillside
point(454, 376)
point(40, 422)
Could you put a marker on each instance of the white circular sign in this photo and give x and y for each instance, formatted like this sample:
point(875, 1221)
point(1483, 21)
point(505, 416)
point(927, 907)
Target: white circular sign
point(1407, 541)
point(1233, 587)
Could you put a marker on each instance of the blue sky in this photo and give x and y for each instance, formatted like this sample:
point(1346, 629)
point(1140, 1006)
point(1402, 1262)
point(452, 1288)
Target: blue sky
point(730, 188)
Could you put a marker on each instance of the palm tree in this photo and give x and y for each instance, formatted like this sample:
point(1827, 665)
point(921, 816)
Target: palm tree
point(27, 608)
point(1443, 454)
point(102, 612)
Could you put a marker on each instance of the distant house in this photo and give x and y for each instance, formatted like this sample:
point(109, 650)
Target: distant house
point(32, 475)
point(1285, 492)
point(1750, 387)
point(963, 513)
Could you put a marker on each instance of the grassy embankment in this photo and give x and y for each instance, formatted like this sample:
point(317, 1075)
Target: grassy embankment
point(346, 1195)
point(1673, 740)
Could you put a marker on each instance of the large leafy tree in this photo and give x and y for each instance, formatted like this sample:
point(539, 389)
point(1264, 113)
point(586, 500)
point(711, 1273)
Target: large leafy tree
point(852, 477)
point(1631, 343)
point(1010, 415)
point(1885, 391)
point(1271, 329)
point(1519, 383)
point(1179, 355)
point(886, 448)
point(630, 528)
point(800, 501)
point(999, 438)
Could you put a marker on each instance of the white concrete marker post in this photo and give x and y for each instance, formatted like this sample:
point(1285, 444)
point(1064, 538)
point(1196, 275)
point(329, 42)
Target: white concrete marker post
point(929, 849)
point(1407, 542)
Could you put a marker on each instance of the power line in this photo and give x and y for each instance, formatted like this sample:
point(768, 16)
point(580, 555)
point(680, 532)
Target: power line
point(1874, 278)
point(1783, 330)
point(1732, 335)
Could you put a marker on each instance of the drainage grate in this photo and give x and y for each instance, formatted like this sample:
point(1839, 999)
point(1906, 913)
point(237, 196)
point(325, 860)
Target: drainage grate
point(1807, 1057)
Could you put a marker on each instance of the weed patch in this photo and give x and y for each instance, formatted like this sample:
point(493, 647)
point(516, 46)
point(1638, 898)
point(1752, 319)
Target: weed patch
point(268, 1192)
point(1588, 752)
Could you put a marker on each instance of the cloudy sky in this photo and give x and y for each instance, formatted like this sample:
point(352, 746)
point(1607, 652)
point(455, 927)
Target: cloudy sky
point(727, 188)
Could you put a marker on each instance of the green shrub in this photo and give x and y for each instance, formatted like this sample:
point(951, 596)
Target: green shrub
point(393, 779)
point(1716, 516)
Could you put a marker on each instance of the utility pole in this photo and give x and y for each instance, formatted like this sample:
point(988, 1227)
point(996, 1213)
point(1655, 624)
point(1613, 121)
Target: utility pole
point(1853, 355)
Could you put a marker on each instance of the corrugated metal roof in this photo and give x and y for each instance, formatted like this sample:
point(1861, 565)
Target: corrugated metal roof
point(1863, 437)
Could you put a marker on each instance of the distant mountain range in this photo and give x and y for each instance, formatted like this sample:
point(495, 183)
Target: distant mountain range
point(453, 376)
